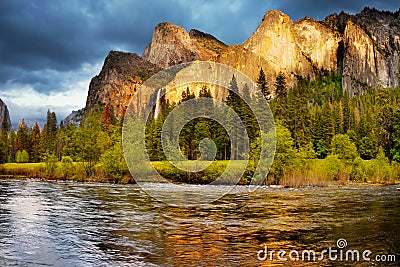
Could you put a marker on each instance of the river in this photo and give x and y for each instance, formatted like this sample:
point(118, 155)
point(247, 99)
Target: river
point(86, 224)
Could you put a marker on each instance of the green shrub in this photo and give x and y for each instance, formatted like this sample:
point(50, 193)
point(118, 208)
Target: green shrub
point(113, 162)
point(67, 167)
point(334, 167)
point(358, 170)
point(80, 173)
point(50, 161)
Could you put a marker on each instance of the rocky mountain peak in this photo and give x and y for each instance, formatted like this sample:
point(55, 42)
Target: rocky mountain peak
point(274, 16)
point(121, 75)
point(336, 22)
point(194, 33)
point(273, 22)
point(171, 45)
point(209, 45)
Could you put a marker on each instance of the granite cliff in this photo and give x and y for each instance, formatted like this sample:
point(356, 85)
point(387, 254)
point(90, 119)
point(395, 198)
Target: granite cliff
point(172, 45)
point(4, 114)
point(121, 75)
point(302, 48)
point(363, 48)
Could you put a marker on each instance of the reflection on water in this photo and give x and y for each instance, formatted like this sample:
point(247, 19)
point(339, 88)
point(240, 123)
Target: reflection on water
point(74, 224)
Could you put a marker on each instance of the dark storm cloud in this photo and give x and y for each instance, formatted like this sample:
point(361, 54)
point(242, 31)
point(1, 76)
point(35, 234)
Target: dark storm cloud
point(61, 35)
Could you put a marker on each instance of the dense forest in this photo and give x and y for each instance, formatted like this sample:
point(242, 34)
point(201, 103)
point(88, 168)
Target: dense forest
point(322, 134)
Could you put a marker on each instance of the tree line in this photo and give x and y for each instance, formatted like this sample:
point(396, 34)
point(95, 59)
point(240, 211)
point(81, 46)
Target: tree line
point(314, 119)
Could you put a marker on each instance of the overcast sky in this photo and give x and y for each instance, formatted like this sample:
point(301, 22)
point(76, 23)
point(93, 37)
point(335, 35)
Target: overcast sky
point(49, 50)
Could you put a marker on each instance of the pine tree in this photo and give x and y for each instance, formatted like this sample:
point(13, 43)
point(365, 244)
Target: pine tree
point(395, 136)
point(3, 152)
point(346, 113)
point(262, 84)
point(327, 122)
point(51, 132)
point(43, 141)
point(233, 95)
point(4, 141)
point(23, 139)
point(35, 135)
point(336, 119)
point(233, 100)
point(186, 135)
point(280, 105)
point(281, 86)
point(4, 128)
point(203, 108)
point(12, 146)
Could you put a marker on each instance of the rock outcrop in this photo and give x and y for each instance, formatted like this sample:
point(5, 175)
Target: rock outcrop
point(172, 45)
point(121, 75)
point(4, 114)
point(209, 45)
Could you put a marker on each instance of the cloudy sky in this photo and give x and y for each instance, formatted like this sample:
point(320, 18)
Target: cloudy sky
point(49, 49)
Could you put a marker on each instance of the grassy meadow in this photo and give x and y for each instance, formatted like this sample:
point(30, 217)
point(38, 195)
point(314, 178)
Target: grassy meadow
point(298, 173)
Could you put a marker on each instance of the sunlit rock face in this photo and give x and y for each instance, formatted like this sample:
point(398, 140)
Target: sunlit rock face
point(303, 48)
point(363, 48)
point(172, 45)
point(318, 44)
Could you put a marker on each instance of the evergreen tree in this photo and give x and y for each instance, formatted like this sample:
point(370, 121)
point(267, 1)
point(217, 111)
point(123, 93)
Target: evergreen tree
point(234, 101)
point(186, 135)
point(366, 148)
point(51, 132)
point(281, 86)
point(12, 146)
point(281, 106)
point(43, 141)
point(35, 136)
point(4, 129)
point(23, 139)
point(298, 118)
point(262, 84)
point(395, 135)
point(4, 145)
point(327, 122)
point(346, 113)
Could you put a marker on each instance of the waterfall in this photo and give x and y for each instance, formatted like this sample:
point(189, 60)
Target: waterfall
point(158, 104)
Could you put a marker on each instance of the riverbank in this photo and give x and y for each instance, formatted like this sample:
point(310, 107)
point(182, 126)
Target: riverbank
point(300, 173)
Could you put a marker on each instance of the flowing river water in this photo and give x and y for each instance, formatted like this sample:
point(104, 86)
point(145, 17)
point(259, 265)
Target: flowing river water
point(85, 224)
